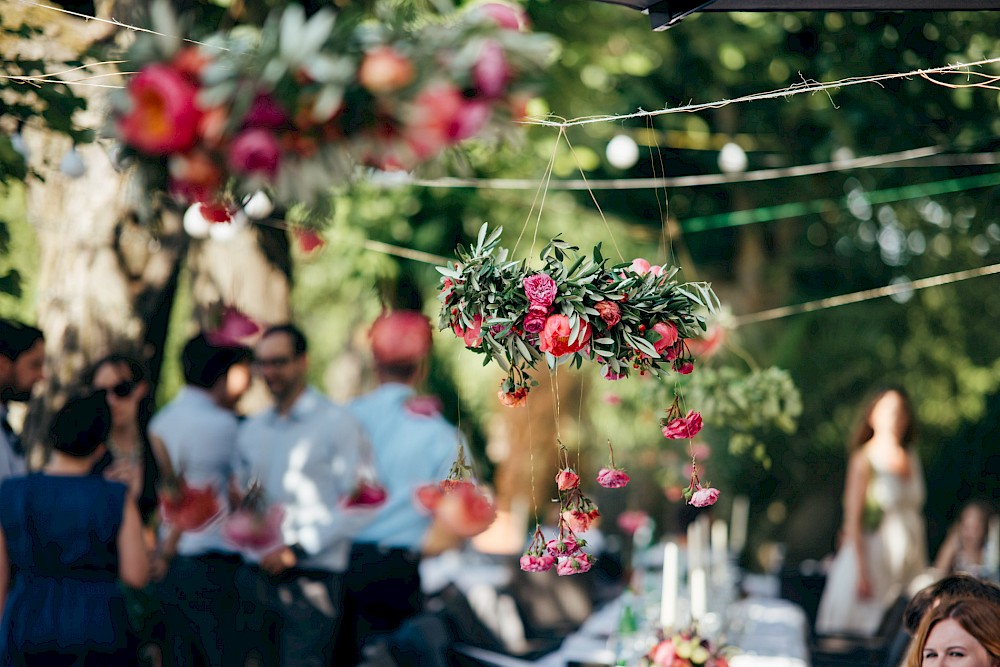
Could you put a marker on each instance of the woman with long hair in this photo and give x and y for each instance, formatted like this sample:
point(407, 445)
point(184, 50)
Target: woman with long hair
point(963, 633)
point(883, 542)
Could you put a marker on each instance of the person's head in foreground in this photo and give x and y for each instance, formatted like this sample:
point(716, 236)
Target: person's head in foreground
point(962, 633)
point(80, 429)
point(401, 341)
point(946, 590)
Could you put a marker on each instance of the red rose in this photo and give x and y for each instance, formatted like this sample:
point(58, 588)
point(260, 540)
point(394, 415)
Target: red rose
point(163, 117)
point(555, 337)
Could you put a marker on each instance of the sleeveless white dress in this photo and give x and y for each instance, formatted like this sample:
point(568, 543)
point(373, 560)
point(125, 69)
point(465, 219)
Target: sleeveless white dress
point(896, 552)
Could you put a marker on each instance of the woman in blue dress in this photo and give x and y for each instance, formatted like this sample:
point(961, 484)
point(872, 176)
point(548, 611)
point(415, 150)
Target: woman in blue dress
point(67, 538)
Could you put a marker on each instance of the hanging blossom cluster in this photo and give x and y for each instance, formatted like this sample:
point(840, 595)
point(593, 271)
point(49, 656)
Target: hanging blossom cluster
point(576, 514)
point(684, 427)
point(627, 318)
point(296, 107)
point(462, 504)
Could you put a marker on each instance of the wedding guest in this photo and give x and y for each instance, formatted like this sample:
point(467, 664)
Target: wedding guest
point(414, 445)
point(883, 545)
point(198, 430)
point(66, 538)
point(22, 358)
point(964, 549)
point(305, 452)
point(963, 632)
point(942, 592)
point(128, 455)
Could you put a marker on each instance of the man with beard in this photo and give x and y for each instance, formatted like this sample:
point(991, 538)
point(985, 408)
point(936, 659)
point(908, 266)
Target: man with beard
point(22, 356)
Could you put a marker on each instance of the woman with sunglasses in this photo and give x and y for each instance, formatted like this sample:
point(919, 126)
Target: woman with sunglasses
point(129, 457)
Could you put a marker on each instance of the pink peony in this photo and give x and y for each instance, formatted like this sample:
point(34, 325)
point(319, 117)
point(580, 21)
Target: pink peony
point(491, 71)
point(255, 151)
point(384, 69)
point(534, 321)
point(508, 17)
point(163, 117)
point(612, 478)
point(609, 312)
point(640, 266)
point(656, 270)
point(531, 563)
point(567, 479)
point(471, 119)
point(668, 336)
point(577, 564)
point(540, 289)
point(704, 496)
point(683, 427)
point(514, 399)
point(555, 337)
point(632, 520)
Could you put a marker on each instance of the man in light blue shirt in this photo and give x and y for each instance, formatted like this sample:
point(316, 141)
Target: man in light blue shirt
point(22, 359)
point(306, 453)
point(197, 430)
point(414, 445)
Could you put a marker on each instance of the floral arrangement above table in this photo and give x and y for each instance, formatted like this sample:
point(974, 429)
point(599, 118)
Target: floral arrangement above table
point(685, 649)
point(295, 106)
point(627, 318)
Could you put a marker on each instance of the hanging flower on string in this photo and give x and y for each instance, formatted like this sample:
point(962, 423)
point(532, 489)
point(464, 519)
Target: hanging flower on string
point(698, 495)
point(677, 427)
point(536, 557)
point(466, 507)
point(623, 319)
point(612, 477)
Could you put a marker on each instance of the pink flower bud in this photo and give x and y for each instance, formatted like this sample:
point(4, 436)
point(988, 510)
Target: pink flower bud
point(612, 478)
point(703, 497)
point(531, 563)
point(567, 479)
point(574, 564)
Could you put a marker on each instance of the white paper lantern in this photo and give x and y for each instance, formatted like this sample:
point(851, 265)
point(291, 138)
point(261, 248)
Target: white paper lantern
point(195, 223)
point(258, 205)
point(72, 164)
point(732, 159)
point(622, 151)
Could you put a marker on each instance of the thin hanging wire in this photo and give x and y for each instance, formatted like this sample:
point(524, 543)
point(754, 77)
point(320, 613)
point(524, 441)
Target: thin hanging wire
point(593, 197)
point(542, 191)
point(531, 464)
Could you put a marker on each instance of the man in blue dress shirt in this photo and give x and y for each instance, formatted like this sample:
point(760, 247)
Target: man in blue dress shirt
point(306, 453)
point(414, 445)
point(22, 359)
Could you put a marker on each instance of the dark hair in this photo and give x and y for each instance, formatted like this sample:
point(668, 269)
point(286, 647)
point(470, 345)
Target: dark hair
point(16, 338)
point(950, 588)
point(863, 431)
point(81, 425)
point(135, 367)
point(205, 364)
point(299, 344)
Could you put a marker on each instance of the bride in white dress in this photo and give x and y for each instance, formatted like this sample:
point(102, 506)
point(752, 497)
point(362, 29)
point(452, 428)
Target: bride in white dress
point(883, 542)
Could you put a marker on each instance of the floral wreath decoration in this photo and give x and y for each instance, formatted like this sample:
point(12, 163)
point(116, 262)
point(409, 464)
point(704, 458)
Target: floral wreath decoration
point(294, 107)
point(628, 317)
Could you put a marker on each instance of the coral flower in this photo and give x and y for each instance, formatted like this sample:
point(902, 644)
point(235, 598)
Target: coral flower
point(163, 117)
point(555, 337)
point(579, 522)
point(567, 479)
point(384, 69)
point(472, 336)
point(514, 399)
point(613, 478)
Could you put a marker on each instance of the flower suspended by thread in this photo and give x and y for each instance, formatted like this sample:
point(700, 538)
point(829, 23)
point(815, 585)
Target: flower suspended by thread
point(612, 477)
point(464, 506)
point(631, 521)
point(676, 427)
point(536, 557)
point(698, 495)
point(235, 328)
point(518, 398)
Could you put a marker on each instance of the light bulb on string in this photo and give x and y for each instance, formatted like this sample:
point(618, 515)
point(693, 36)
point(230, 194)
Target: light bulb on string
point(622, 151)
point(195, 224)
point(72, 164)
point(226, 231)
point(732, 159)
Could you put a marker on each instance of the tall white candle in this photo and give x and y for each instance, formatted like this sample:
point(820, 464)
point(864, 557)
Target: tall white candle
point(671, 578)
point(699, 593)
point(694, 545)
point(720, 549)
point(740, 516)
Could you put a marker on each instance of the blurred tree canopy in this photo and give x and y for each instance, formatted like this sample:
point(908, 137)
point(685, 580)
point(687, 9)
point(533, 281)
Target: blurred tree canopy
point(856, 228)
